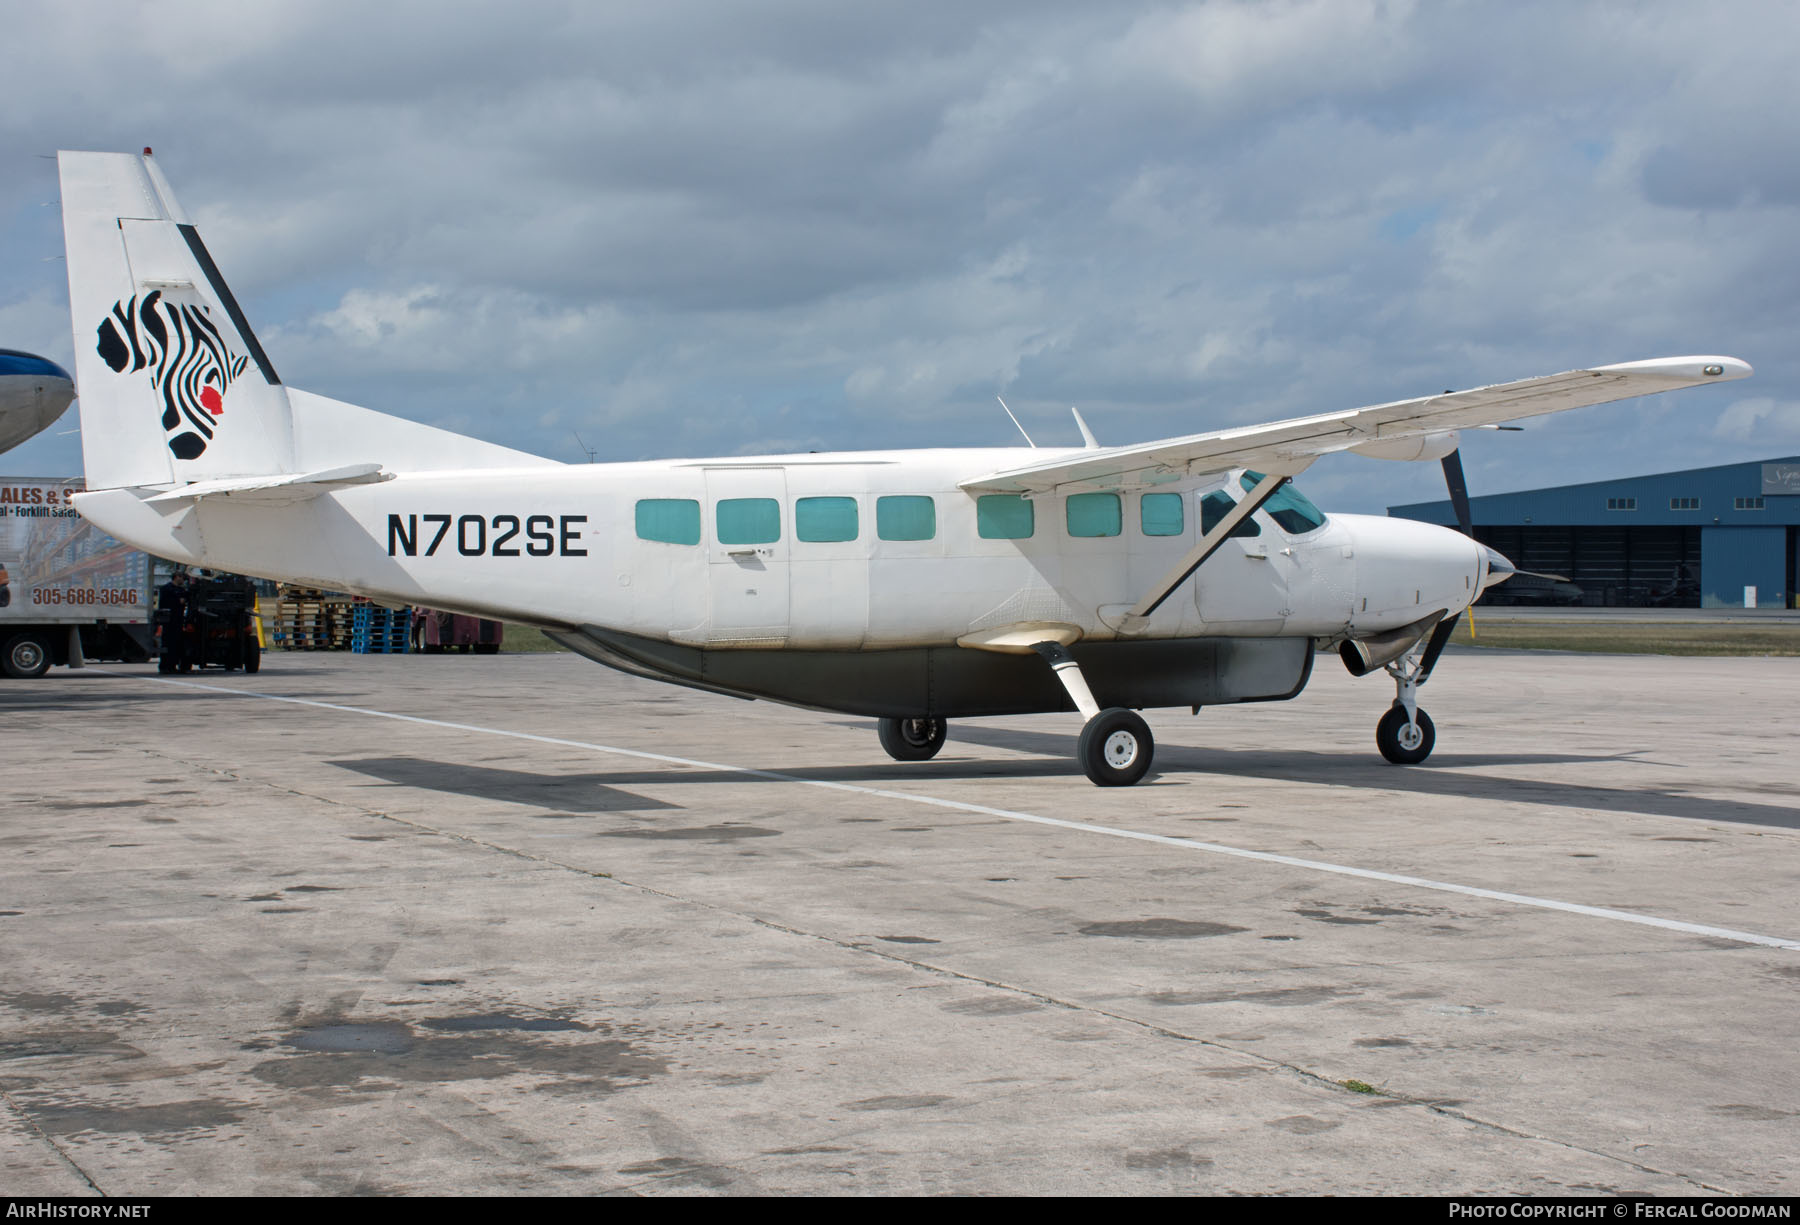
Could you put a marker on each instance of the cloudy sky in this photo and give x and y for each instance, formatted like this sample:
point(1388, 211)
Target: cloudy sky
point(701, 227)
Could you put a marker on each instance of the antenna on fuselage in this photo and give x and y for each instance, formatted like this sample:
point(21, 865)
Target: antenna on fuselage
point(584, 446)
point(1015, 421)
point(1087, 435)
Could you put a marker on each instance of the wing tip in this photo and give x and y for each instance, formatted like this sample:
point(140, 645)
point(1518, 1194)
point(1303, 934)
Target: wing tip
point(1694, 369)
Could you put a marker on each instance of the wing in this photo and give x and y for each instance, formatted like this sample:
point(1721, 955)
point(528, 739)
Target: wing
point(1289, 446)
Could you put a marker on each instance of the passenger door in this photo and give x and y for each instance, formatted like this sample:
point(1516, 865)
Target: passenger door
point(747, 532)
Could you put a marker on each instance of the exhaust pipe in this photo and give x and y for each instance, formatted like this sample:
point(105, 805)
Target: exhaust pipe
point(1363, 655)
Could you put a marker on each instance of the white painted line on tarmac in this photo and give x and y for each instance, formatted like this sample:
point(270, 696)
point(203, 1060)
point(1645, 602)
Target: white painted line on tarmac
point(1311, 865)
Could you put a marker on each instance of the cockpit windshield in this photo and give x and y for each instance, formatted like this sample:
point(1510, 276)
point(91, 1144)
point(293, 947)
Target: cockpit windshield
point(1215, 506)
point(1292, 511)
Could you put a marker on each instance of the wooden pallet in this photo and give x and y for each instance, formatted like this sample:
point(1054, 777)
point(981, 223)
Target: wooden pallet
point(307, 619)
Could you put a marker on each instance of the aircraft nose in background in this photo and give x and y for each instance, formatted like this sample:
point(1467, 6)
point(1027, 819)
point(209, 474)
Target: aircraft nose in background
point(1499, 569)
point(33, 393)
point(31, 365)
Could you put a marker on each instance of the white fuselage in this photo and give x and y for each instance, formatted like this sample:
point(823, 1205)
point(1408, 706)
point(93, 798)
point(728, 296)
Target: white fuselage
point(564, 547)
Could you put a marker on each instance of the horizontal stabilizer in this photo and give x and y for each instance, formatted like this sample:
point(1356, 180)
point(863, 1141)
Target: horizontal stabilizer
point(292, 487)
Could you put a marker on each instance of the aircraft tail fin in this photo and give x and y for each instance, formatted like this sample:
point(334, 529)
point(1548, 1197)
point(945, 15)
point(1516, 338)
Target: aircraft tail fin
point(173, 383)
point(175, 389)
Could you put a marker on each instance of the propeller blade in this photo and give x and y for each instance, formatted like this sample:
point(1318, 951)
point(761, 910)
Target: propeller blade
point(1496, 564)
point(1440, 638)
point(1459, 491)
point(1555, 578)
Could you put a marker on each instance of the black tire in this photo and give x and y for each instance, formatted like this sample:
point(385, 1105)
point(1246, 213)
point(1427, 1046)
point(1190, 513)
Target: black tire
point(252, 654)
point(1397, 742)
point(1116, 748)
point(25, 657)
point(913, 739)
point(487, 648)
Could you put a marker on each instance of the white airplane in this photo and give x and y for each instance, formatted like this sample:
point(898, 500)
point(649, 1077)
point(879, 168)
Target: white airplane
point(910, 586)
point(33, 394)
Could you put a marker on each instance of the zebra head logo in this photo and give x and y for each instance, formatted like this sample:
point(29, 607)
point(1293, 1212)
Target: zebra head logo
point(189, 363)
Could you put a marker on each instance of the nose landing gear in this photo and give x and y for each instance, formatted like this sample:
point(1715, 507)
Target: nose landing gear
point(1405, 734)
point(1405, 738)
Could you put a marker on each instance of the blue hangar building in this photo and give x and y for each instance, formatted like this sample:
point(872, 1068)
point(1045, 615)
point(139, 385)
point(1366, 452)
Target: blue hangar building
point(1725, 537)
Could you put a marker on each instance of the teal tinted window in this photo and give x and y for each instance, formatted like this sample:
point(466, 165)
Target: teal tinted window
point(1289, 507)
point(1163, 514)
point(1003, 516)
point(1093, 514)
point(1215, 506)
point(905, 517)
point(823, 520)
point(670, 520)
point(749, 521)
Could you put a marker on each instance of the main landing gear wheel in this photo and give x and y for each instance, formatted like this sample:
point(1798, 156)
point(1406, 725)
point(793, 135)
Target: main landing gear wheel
point(1116, 748)
point(912, 739)
point(1403, 743)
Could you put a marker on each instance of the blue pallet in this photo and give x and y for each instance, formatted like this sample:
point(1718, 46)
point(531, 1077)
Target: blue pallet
point(380, 631)
point(373, 617)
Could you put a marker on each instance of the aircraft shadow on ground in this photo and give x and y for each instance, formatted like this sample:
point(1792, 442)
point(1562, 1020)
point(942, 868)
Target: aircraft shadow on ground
point(62, 692)
point(21, 696)
point(606, 791)
point(575, 794)
point(1442, 776)
point(55, 692)
point(563, 791)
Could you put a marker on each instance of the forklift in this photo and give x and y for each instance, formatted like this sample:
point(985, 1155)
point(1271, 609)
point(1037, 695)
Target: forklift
point(218, 629)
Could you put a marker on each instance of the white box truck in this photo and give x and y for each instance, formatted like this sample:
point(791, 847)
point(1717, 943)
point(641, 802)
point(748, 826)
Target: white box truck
point(68, 591)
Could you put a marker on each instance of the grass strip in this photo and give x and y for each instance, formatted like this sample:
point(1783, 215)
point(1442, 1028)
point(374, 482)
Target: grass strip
point(1627, 638)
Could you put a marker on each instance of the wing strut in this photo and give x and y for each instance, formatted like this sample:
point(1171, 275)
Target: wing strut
point(1204, 548)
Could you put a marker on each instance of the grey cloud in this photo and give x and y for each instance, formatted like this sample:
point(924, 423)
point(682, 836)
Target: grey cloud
point(1741, 169)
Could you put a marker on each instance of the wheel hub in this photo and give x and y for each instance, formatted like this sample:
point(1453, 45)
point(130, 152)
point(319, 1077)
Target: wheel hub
point(1410, 737)
point(1120, 750)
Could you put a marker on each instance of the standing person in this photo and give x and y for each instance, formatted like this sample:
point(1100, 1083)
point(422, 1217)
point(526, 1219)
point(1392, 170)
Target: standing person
point(172, 623)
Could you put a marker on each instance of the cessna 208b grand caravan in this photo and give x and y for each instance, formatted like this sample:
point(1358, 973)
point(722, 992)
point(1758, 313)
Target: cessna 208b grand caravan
point(910, 586)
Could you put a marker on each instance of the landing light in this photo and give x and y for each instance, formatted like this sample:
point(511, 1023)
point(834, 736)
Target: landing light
point(1712, 370)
